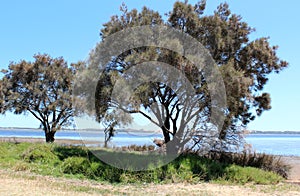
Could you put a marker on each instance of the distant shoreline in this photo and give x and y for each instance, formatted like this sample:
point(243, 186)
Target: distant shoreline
point(88, 129)
point(274, 132)
point(42, 140)
point(146, 131)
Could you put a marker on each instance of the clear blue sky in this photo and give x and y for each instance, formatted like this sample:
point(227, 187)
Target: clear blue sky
point(70, 28)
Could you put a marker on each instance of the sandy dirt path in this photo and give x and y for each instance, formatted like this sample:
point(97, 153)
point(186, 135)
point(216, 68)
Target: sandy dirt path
point(294, 162)
point(22, 183)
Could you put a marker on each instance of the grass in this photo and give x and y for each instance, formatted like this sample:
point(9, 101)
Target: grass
point(80, 163)
point(252, 159)
point(29, 183)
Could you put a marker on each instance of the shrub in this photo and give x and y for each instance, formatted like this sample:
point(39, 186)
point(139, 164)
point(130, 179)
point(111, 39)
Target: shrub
point(21, 166)
point(243, 175)
point(251, 159)
point(64, 152)
point(137, 148)
point(39, 153)
point(96, 169)
point(76, 165)
point(148, 176)
point(112, 174)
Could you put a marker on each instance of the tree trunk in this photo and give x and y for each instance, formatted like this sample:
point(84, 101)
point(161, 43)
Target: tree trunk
point(106, 139)
point(49, 136)
point(173, 147)
point(165, 129)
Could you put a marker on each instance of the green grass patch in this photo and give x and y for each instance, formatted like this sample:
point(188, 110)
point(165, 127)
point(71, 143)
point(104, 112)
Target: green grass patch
point(79, 162)
point(252, 159)
point(243, 175)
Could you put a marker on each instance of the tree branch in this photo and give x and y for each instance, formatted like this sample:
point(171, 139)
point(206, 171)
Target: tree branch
point(36, 116)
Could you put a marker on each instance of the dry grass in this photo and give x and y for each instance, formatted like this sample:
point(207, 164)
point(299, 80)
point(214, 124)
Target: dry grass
point(263, 161)
point(24, 183)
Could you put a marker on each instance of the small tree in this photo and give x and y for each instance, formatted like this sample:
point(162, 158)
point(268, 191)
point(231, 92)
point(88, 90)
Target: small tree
point(43, 88)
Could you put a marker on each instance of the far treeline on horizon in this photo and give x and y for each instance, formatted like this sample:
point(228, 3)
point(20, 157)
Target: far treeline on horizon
point(126, 81)
point(142, 131)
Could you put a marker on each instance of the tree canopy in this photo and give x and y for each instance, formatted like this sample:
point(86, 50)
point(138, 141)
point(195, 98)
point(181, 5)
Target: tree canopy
point(2, 109)
point(244, 64)
point(42, 88)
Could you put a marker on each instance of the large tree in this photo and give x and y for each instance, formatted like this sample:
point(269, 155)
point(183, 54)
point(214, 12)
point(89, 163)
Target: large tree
point(42, 88)
point(244, 64)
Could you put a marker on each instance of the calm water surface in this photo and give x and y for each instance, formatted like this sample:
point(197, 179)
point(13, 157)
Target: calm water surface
point(278, 144)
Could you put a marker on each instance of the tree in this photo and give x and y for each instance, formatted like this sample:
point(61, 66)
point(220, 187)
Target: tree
point(2, 109)
point(43, 88)
point(244, 65)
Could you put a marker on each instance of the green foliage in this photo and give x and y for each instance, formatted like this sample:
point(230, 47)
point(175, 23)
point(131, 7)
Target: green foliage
point(77, 162)
point(244, 64)
point(112, 174)
point(42, 88)
point(2, 99)
point(251, 159)
point(64, 152)
point(21, 166)
point(243, 175)
point(75, 165)
point(39, 153)
point(10, 153)
point(182, 173)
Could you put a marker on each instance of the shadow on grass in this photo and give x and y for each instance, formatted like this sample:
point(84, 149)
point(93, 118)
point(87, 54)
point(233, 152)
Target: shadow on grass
point(115, 166)
point(109, 165)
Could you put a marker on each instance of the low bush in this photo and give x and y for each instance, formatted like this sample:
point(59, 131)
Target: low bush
point(243, 175)
point(76, 165)
point(21, 166)
point(64, 152)
point(251, 159)
point(39, 153)
point(138, 148)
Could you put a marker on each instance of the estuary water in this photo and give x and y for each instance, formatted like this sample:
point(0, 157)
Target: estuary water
point(277, 144)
